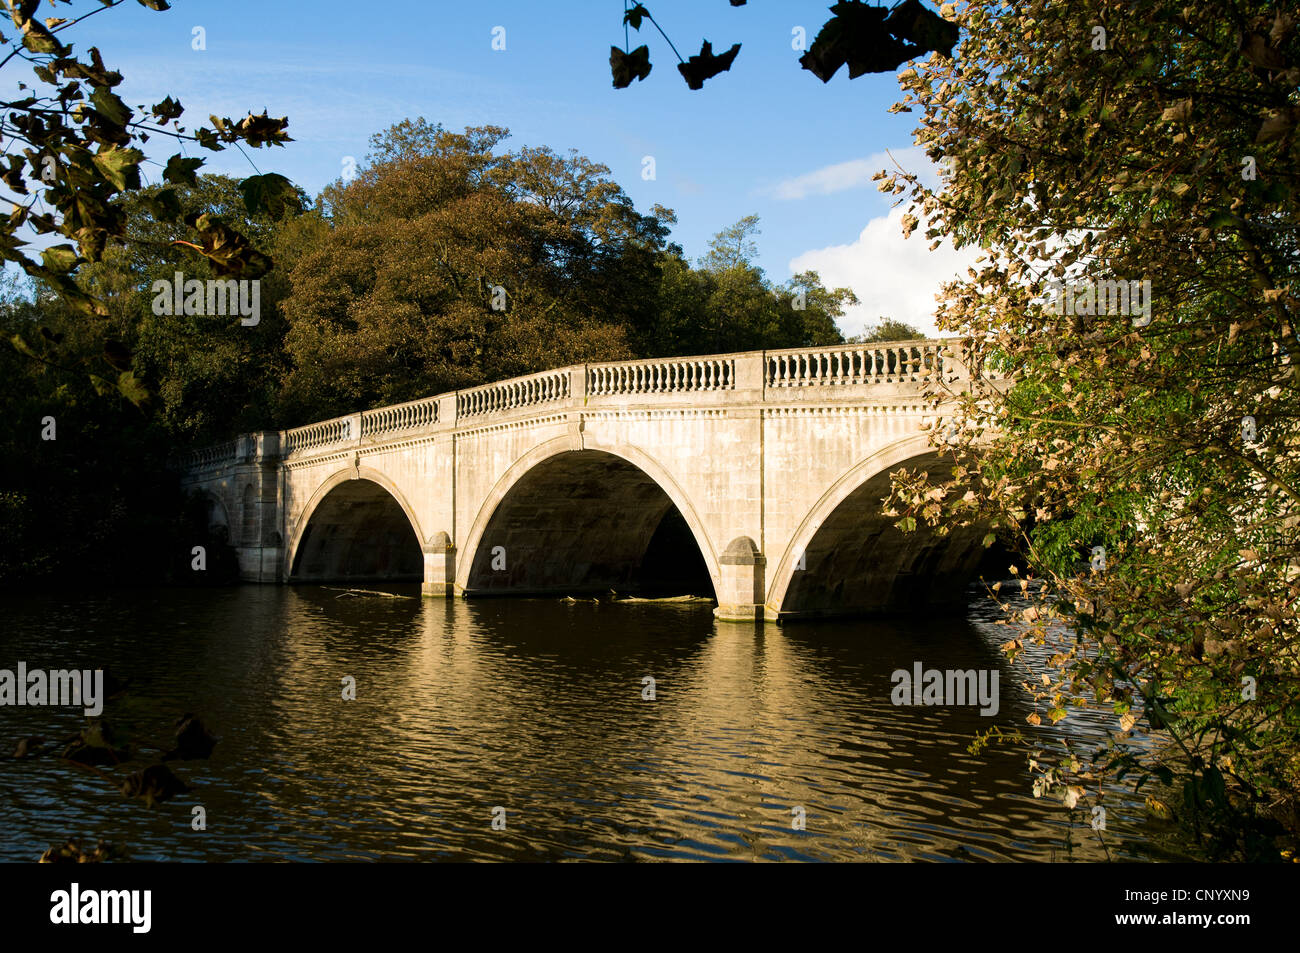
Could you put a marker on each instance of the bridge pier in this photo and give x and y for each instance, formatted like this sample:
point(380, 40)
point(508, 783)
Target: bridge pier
point(741, 586)
point(439, 568)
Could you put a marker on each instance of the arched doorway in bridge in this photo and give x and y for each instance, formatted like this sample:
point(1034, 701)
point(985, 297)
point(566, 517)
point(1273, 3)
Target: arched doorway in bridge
point(586, 522)
point(855, 561)
point(358, 532)
point(213, 515)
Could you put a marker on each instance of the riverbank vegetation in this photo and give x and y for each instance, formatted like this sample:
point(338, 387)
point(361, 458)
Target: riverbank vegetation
point(1144, 463)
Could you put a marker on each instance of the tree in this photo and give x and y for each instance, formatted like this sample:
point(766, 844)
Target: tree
point(887, 330)
point(208, 375)
point(83, 490)
point(74, 147)
point(734, 246)
point(447, 263)
point(734, 307)
point(1133, 171)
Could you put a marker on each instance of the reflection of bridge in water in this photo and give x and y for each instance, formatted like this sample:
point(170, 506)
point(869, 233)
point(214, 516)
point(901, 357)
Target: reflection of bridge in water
point(754, 478)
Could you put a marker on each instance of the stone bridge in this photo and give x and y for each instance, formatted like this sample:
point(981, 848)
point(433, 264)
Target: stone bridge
point(755, 479)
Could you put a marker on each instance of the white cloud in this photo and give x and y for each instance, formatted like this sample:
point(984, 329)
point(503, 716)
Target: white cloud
point(893, 277)
point(855, 174)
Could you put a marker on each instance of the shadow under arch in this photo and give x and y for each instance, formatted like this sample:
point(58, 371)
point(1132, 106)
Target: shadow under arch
point(216, 511)
point(846, 558)
point(357, 525)
point(623, 489)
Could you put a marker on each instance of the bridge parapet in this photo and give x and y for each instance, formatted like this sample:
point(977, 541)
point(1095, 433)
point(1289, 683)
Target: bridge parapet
point(409, 416)
point(842, 370)
point(860, 364)
point(208, 457)
point(543, 388)
point(317, 435)
point(673, 376)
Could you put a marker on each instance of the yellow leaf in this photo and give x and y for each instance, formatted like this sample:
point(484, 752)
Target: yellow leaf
point(1158, 808)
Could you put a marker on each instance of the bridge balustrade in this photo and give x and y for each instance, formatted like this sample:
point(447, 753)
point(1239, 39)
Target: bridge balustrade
point(317, 435)
point(520, 392)
point(843, 365)
point(222, 453)
point(415, 413)
point(861, 364)
point(661, 377)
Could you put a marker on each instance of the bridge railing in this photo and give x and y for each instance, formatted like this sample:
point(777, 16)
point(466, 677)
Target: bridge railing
point(527, 391)
point(222, 453)
point(742, 374)
point(674, 376)
point(856, 364)
point(316, 435)
point(415, 413)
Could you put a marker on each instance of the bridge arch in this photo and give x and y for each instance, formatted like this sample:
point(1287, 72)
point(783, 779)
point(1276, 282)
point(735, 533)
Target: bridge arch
point(868, 578)
point(632, 459)
point(218, 510)
point(384, 504)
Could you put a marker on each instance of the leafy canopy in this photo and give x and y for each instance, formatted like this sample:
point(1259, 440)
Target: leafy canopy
point(74, 147)
point(1146, 463)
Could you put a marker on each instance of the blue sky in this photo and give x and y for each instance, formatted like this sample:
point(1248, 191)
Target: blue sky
point(766, 138)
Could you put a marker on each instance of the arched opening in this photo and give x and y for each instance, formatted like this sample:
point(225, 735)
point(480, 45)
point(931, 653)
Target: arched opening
point(858, 562)
point(586, 522)
point(205, 555)
point(358, 532)
point(213, 517)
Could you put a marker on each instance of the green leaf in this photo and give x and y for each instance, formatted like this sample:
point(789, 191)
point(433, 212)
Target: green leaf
point(990, 539)
point(271, 194)
point(907, 524)
point(164, 205)
point(26, 9)
point(208, 139)
point(119, 166)
point(180, 170)
point(1222, 219)
point(634, 16)
point(129, 386)
point(912, 23)
point(103, 386)
point(259, 130)
point(23, 348)
point(167, 110)
point(108, 104)
point(153, 4)
point(231, 254)
point(61, 258)
point(629, 66)
point(856, 35)
point(38, 39)
point(706, 64)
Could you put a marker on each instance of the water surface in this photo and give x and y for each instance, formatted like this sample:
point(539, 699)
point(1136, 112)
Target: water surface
point(535, 706)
